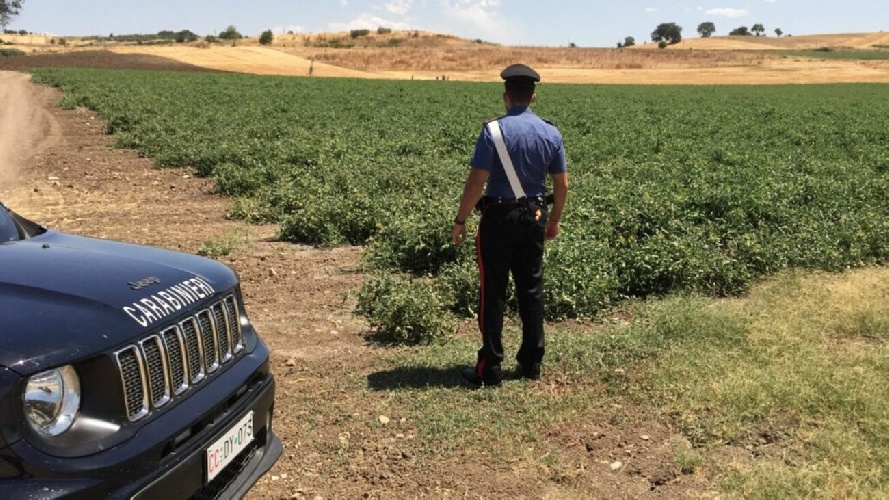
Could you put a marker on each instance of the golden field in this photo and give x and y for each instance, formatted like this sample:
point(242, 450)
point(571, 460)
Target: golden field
point(420, 55)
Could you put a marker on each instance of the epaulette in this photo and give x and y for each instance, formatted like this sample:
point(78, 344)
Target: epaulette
point(485, 124)
point(547, 121)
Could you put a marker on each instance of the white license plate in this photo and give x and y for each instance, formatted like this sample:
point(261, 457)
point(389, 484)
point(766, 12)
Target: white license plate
point(226, 448)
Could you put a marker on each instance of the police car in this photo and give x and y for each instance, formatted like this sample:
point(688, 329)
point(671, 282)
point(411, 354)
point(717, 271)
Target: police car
point(126, 371)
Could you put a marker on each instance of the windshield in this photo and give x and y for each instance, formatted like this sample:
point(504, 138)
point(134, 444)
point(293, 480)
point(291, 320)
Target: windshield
point(8, 229)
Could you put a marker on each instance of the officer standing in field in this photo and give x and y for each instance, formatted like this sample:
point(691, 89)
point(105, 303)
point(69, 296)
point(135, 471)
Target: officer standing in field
point(515, 221)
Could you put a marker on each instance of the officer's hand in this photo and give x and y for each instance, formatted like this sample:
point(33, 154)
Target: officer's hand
point(458, 233)
point(552, 229)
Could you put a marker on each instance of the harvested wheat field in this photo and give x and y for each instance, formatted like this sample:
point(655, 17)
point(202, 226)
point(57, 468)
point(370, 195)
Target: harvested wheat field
point(427, 56)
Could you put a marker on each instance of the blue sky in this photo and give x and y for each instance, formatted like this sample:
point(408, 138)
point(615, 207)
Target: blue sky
point(509, 22)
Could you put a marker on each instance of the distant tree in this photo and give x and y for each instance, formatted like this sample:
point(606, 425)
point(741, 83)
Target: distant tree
point(185, 36)
point(210, 39)
point(572, 45)
point(778, 32)
point(358, 33)
point(662, 44)
point(758, 29)
point(383, 31)
point(231, 33)
point(63, 42)
point(706, 29)
point(266, 37)
point(667, 32)
point(740, 31)
point(8, 10)
point(629, 41)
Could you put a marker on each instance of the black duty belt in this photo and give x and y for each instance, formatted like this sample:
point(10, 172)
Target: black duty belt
point(540, 200)
point(488, 201)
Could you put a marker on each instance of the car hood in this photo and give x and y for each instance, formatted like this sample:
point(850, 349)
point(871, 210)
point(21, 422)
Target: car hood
point(65, 297)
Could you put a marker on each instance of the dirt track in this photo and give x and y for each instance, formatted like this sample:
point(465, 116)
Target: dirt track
point(26, 128)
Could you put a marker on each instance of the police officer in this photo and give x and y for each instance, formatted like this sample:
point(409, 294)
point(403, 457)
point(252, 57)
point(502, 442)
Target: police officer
point(513, 225)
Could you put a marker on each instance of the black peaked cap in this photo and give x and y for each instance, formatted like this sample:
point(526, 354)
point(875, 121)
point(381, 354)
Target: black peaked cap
point(520, 73)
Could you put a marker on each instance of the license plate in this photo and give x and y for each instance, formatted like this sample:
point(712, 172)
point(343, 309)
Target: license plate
point(229, 446)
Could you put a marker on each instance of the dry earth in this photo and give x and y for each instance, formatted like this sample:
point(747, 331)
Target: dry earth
point(59, 168)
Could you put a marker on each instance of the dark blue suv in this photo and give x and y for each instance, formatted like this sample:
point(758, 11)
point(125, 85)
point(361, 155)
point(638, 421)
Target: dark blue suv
point(126, 371)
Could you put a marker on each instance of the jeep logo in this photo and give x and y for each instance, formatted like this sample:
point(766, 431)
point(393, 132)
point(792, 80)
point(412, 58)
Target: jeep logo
point(144, 283)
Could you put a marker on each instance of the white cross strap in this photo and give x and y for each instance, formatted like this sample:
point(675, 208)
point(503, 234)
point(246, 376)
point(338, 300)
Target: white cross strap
point(497, 135)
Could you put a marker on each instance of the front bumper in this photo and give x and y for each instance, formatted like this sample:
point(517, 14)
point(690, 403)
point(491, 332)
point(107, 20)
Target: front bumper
point(167, 457)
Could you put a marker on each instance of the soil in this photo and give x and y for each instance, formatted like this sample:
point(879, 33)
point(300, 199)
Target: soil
point(58, 167)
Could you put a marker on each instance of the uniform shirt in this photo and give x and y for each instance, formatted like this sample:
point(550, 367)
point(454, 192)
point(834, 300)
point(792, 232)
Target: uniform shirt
point(535, 147)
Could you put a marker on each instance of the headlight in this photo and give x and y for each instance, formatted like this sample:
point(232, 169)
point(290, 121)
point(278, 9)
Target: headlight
point(52, 399)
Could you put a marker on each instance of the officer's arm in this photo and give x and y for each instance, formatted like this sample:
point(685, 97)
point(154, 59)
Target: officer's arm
point(472, 191)
point(560, 195)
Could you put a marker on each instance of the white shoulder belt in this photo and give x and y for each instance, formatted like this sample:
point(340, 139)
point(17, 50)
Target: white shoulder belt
point(497, 135)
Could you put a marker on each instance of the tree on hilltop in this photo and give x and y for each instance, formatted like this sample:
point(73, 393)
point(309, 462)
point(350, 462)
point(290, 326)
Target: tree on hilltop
point(706, 29)
point(778, 32)
point(740, 31)
point(8, 10)
point(231, 33)
point(629, 41)
point(185, 36)
point(667, 32)
point(266, 37)
point(759, 29)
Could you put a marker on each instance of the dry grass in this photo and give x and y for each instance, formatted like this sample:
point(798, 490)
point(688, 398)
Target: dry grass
point(429, 56)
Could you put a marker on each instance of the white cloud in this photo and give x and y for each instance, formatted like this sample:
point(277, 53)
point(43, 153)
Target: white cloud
point(399, 7)
point(482, 19)
point(650, 10)
point(727, 12)
point(367, 21)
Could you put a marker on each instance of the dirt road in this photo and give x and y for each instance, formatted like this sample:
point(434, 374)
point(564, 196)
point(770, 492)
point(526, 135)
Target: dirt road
point(26, 128)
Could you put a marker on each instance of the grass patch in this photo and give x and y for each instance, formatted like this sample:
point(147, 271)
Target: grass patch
point(222, 246)
point(798, 366)
point(790, 377)
point(877, 54)
point(11, 52)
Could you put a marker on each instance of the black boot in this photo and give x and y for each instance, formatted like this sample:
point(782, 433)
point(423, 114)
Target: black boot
point(489, 376)
point(529, 371)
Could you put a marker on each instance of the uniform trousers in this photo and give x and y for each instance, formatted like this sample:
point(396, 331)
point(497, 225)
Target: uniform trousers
point(507, 243)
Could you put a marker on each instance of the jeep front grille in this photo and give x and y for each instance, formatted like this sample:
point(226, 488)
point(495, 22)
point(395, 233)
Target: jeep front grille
point(164, 365)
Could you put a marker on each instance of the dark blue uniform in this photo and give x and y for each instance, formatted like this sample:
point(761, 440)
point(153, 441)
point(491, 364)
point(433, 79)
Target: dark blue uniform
point(507, 242)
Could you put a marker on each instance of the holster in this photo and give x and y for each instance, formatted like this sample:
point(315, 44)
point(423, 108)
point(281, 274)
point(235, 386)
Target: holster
point(532, 213)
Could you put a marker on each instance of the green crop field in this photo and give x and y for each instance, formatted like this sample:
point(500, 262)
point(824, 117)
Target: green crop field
point(701, 189)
